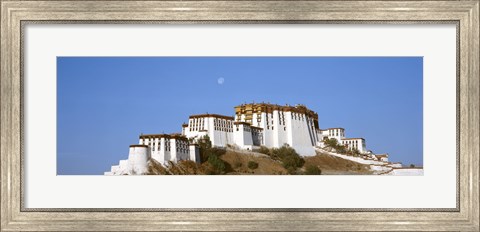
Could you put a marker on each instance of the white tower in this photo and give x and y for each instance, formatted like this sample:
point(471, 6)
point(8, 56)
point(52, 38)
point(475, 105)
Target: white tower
point(138, 157)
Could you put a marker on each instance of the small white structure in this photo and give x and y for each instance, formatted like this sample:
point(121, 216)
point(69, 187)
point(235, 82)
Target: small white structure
point(382, 157)
point(337, 133)
point(355, 143)
point(396, 165)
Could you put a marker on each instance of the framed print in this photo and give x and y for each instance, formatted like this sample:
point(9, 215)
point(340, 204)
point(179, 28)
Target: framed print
point(239, 115)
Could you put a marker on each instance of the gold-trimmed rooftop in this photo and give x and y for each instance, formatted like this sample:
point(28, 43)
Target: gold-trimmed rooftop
point(250, 108)
point(211, 116)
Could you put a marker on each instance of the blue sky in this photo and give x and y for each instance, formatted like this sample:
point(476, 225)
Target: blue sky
point(104, 103)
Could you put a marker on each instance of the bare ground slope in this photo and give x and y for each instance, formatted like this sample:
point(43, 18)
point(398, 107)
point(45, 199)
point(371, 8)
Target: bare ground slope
point(237, 163)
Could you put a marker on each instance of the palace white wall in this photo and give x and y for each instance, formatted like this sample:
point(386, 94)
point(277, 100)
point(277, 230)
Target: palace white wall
point(123, 164)
point(320, 137)
point(221, 138)
point(157, 151)
point(312, 131)
point(336, 133)
point(219, 130)
point(257, 136)
point(279, 129)
point(265, 123)
point(167, 149)
point(243, 136)
point(298, 135)
point(182, 150)
point(192, 130)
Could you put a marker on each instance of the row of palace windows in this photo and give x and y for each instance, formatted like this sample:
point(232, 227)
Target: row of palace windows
point(223, 129)
point(223, 125)
point(351, 142)
point(196, 124)
point(152, 144)
point(335, 132)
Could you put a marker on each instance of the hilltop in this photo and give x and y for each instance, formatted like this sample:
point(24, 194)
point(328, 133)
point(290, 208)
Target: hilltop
point(239, 162)
point(262, 138)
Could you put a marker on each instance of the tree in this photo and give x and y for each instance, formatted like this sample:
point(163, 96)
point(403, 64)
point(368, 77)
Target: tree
point(206, 149)
point(204, 142)
point(333, 143)
point(412, 165)
point(341, 149)
point(290, 159)
point(204, 145)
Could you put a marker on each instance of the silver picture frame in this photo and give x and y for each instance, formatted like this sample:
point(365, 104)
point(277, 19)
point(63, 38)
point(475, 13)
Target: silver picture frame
point(16, 14)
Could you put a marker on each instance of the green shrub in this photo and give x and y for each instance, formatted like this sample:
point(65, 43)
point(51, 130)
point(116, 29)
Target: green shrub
point(313, 170)
point(206, 149)
point(218, 166)
point(204, 142)
point(341, 149)
point(356, 152)
point(252, 165)
point(289, 158)
point(331, 142)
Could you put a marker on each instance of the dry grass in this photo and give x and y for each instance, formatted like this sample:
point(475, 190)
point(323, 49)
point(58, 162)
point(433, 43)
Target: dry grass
point(332, 165)
point(155, 168)
point(180, 168)
point(238, 164)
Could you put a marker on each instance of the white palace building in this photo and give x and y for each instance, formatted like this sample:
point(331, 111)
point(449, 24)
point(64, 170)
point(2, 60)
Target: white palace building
point(254, 125)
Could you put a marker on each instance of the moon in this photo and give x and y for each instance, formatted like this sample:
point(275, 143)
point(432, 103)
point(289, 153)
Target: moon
point(220, 80)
